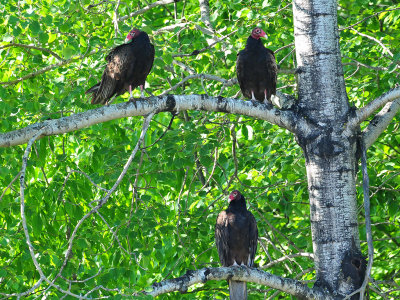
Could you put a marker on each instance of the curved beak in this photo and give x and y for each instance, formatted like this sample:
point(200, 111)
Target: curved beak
point(263, 34)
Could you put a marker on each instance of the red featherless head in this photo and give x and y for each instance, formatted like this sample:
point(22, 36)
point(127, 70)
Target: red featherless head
point(132, 34)
point(257, 33)
point(234, 195)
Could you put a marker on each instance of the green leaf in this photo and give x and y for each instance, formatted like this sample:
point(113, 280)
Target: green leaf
point(34, 27)
point(67, 52)
point(43, 37)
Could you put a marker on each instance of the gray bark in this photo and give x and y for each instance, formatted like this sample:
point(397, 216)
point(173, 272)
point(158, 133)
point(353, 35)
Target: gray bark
point(330, 152)
point(288, 285)
point(285, 118)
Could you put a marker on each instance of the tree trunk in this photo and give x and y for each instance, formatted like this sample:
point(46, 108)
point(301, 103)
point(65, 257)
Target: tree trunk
point(330, 153)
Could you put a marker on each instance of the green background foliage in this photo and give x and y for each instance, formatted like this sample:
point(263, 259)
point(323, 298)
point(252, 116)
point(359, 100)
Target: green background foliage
point(161, 213)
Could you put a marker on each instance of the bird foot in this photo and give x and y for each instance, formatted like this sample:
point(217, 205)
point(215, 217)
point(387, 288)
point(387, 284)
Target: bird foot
point(252, 96)
point(131, 99)
point(266, 97)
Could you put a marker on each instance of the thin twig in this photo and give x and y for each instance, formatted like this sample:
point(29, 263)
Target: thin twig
point(367, 219)
point(32, 47)
point(9, 185)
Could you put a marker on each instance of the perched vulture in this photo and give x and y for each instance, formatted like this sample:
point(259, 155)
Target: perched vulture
point(127, 68)
point(236, 237)
point(256, 68)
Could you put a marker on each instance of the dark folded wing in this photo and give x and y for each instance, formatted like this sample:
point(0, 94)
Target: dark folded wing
point(270, 70)
point(119, 61)
point(253, 237)
point(222, 237)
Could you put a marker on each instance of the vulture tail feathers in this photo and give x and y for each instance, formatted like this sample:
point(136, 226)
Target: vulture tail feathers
point(104, 90)
point(237, 290)
point(93, 89)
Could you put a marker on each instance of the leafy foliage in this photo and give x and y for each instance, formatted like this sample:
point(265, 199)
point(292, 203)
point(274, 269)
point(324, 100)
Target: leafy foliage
point(160, 221)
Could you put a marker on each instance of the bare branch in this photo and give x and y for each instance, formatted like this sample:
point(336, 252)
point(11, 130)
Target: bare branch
point(366, 18)
point(226, 82)
point(358, 63)
point(367, 219)
point(283, 258)
point(103, 200)
point(48, 68)
point(23, 216)
point(115, 18)
point(195, 52)
point(285, 118)
point(146, 8)
point(171, 27)
point(9, 185)
point(363, 113)
point(288, 285)
point(375, 40)
point(379, 123)
point(32, 47)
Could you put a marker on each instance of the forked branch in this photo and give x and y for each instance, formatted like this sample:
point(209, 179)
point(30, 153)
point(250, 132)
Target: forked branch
point(365, 112)
point(380, 122)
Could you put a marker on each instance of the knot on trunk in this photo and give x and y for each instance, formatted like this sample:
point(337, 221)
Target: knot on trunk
point(353, 270)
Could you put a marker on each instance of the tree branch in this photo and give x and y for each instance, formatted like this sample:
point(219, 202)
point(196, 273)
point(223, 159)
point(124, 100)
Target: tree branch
point(146, 8)
point(48, 68)
point(379, 123)
point(367, 219)
point(363, 113)
point(375, 40)
point(247, 274)
point(284, 118)
point(32, 47)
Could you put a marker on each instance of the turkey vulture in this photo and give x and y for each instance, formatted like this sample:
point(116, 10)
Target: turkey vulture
point(127, 67)
point(256, 68)
point(236, 237)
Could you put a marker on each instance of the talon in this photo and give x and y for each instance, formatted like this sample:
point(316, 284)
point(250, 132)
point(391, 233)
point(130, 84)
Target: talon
point(252, 96)
point(141, 91)
point(134, 101)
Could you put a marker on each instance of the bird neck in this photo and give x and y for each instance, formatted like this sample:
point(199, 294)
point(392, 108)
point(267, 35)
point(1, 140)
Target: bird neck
point(252, 42)
point(238, 205)
point(142, 37)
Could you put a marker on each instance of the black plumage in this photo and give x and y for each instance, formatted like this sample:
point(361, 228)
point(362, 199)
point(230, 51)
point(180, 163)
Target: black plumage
point(236, 237)
point(127, 68)
point(256, 68)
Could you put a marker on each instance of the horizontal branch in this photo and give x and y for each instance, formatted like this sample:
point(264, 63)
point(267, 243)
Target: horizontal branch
point(365, 112)
point(288, 285)
point(32, 47)
point(375, 40)
point(284, 118)
point(380, 122)
point(146, 8)
point(48, 68)
point(358, 63)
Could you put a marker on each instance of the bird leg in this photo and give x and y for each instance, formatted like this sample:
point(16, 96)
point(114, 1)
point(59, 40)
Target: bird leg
point(141, 91)
point(252, 96)
point(265, 96)
point(131, 98)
